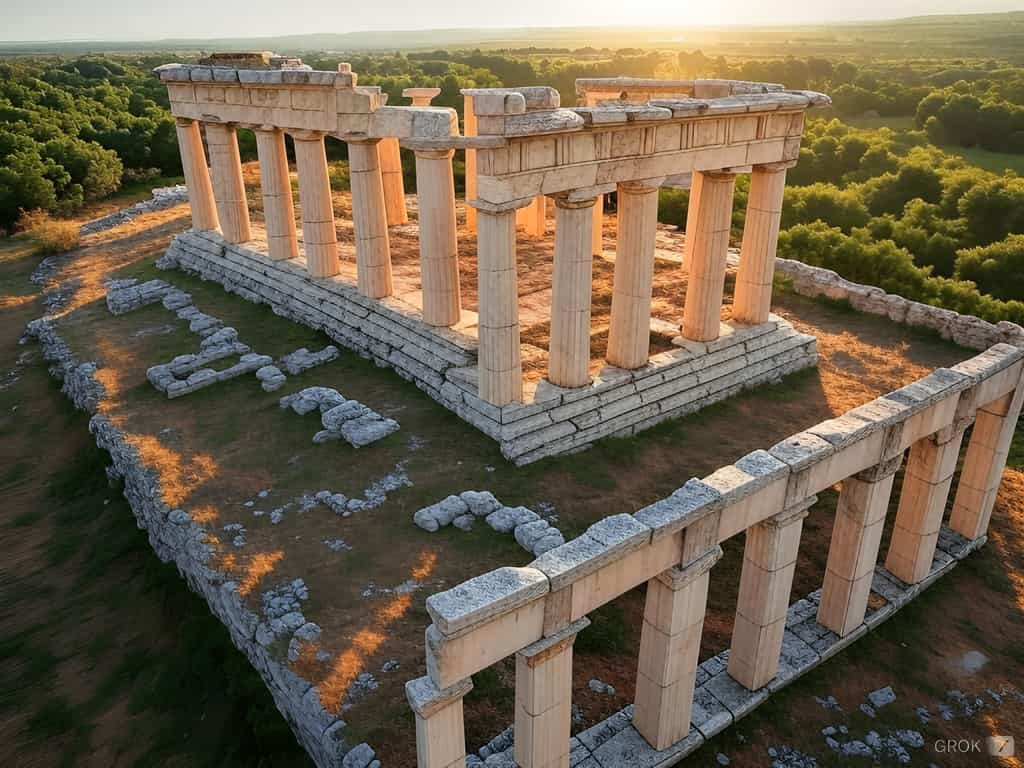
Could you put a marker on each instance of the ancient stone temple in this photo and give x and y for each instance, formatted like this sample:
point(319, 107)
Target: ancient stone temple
point(626, 136)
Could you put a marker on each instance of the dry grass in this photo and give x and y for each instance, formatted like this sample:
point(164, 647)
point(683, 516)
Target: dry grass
point(49, 234)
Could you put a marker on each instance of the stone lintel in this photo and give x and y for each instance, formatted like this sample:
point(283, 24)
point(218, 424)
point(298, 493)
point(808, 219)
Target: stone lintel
point(605, 541)
point(694, 501)
point(750, 474)
point(802, 450)
point(484, 597)
point(426, 698)
point(678, 577)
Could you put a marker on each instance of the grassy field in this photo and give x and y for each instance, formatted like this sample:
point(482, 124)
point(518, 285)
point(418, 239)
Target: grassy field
point(997, 162)
point(215, 449)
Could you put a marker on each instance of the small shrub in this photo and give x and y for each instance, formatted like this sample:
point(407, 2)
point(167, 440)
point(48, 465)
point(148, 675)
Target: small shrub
point(50, 235)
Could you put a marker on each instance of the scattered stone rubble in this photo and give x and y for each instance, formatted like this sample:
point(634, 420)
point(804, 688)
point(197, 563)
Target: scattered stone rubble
point(163, 197)
point(342, 419)
point(302, 359)
point(532, 532)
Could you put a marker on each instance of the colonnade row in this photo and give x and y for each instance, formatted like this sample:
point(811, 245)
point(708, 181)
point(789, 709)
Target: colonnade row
point(577, 240)
point(676, 598)
point(378, 201)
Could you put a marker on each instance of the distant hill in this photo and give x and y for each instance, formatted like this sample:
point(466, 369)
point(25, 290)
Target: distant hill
point(977, 35)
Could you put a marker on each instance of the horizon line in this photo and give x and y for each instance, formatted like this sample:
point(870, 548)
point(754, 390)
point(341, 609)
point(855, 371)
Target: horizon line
point(660, 28)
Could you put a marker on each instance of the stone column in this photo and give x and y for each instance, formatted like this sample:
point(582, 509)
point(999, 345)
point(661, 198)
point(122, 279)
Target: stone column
point(390, 158)
point(769, 560)
point(983, 465)
point(197, 175)
point(629, 335)
point(228, 187)
point(571, 283)
point(440, 730)
point(853, 552)
point(597, 234)
point(533, 217)
point(439, 257)
point(926, 484)
point(753, 297)
point(708, 221)
point(469, 129)
point(500, 364)
point(276, 185)
point(318, 233)
point(369, 219)
point(669, 650)
point(544, 700)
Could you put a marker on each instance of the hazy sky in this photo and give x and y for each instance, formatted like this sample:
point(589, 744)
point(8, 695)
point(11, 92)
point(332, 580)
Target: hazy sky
point(154, 19)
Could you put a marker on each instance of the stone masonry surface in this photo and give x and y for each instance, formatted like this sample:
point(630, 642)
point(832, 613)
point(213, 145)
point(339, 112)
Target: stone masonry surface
point(442, 362)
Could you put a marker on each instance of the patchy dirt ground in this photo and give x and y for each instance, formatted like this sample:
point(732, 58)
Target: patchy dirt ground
point(217, 449)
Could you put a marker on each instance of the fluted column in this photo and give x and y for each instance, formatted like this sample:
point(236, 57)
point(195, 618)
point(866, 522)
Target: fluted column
point(629, 336)
point(390, 158)
point(276, 186)
point(228, 186)
point(597, 233)
point(708, 221)
point(753, 297)
point(569, 347)
point(197, 175)
point(469, 129)
point(369, 219)
point(439, 256)
point(500, 362)
point(318, 233)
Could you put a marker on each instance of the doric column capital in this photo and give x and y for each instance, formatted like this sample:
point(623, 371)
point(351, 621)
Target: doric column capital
point(795, 513)
point(642, 186)
point(425, 698)
point(563, 200)
point(775, 167)
point(435, 154)
point(364, 140)
point(497, 208)
point(720, 174)
point(184, 122)
point(304, 135)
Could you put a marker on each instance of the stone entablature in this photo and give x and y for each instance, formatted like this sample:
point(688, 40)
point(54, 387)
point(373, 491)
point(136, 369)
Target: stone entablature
point(297, 99)
point(672, 545)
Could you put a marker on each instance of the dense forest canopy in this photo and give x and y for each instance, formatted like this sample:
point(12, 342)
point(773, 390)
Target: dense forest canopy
point(901, 208)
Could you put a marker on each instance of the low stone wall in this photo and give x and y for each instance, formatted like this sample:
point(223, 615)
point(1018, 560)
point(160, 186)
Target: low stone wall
point(442, 362)
point(966, 330)
point(176, 538)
